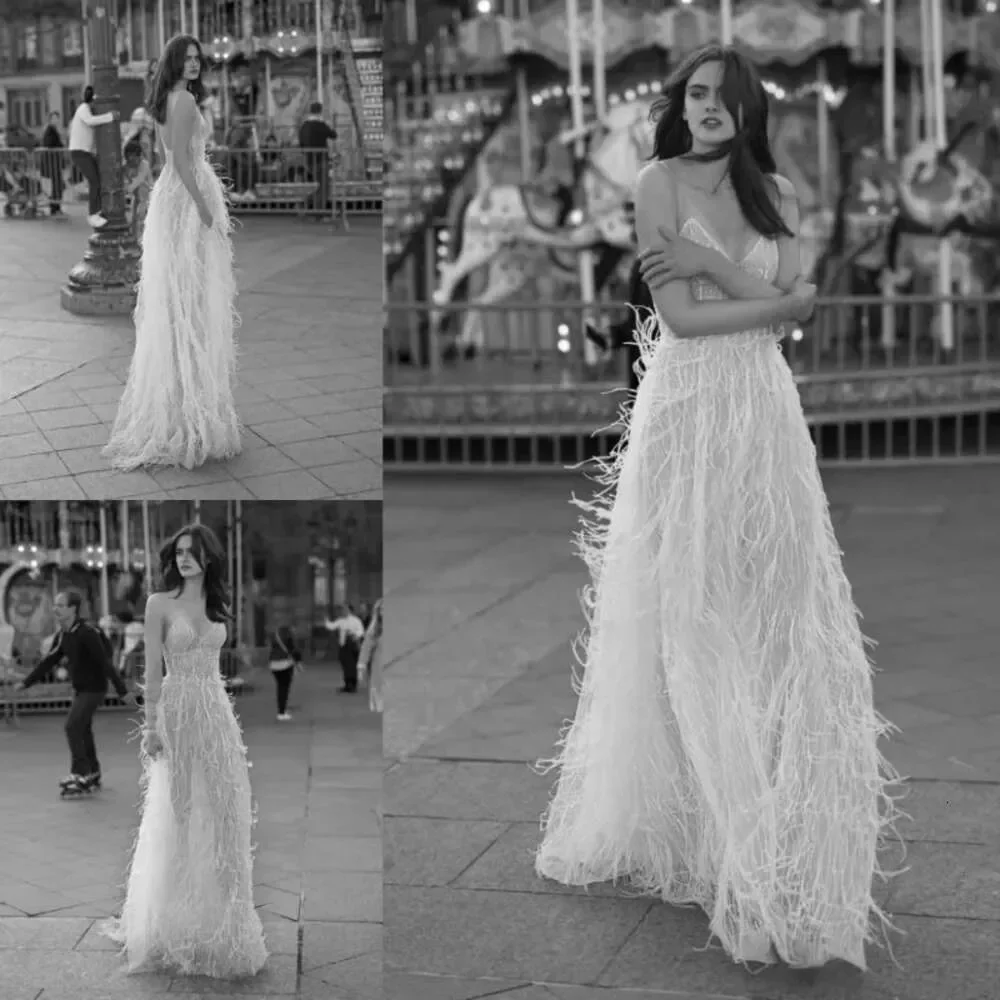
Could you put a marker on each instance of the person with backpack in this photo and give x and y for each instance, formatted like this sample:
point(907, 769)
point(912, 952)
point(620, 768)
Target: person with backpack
point(88, 651)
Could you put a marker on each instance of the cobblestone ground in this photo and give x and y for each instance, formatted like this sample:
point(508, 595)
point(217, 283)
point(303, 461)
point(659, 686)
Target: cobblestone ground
point(317, 872)
point(310, 380)
point(482, 606)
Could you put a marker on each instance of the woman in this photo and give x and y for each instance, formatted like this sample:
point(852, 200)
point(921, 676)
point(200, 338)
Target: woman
point(83, 152)
point(177, 408)
point(189, 902)
point(370, 660)
point(52, 163)
point(283, 659)
point(724, 750)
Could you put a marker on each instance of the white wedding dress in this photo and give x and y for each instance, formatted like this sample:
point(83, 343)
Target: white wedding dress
point(724, 751)
point(177, 408)
point(189, 898)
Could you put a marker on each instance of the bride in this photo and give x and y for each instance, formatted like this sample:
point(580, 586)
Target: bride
point(725, 747)
point(177, 407)
point(189, 900)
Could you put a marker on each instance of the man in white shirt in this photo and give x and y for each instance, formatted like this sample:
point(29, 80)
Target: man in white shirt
point(83, 149)
point(350, 635)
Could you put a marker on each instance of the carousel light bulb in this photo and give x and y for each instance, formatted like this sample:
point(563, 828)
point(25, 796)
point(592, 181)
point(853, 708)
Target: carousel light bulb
point(630, 95)
point(484, 7)
point(797, 333)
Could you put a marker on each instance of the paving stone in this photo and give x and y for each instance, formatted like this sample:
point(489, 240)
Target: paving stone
point(304, 342)
point(508, 935)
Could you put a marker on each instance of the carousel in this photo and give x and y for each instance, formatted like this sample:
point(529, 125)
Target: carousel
point(509, 233)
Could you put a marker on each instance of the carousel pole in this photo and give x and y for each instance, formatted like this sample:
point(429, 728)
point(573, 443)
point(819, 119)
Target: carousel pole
point(579, 153)
point(102, 513)
point(238, 581)
point(161, 27)
point(103, 283)
point(888, 338)
point(947, 331)
point(319, 53)
point(147, 549)
point(726, 22)
point(126, 548)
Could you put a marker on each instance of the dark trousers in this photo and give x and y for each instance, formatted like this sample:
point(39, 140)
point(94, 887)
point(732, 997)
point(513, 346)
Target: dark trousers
point(80, 733)
point(86, 163)
point(349, 664)
point(283, 681)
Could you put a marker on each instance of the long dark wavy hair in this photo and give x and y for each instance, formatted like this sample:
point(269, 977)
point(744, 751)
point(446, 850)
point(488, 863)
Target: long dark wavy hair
point(751, 161)
point(207, 550)
point(170, 69)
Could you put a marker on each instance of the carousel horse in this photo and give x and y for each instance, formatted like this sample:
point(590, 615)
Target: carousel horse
point(519, 230)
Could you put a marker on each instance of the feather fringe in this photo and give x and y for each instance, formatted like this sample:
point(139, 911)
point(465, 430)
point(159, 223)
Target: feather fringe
point(725, 750)
point(189, 894)
point(177, 408)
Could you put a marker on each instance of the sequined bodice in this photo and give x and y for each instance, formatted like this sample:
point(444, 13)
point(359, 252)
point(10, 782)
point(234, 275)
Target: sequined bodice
point(193, 654)
point(761, 260)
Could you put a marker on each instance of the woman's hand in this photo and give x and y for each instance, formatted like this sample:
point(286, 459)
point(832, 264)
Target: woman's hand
point(206, 216)
point(151, 743)
point(676, 258)
point(801, 300)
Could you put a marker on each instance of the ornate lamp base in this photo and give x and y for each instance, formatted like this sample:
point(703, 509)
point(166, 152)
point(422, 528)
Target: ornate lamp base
point(104, 282)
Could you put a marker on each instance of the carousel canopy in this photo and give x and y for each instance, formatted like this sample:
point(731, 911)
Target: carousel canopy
point(770, 31)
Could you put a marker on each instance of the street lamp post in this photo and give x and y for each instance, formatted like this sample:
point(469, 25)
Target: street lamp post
point(104, 282)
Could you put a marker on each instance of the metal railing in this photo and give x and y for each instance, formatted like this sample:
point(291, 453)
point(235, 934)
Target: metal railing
point(237, 667)
point(280, 181)
point(511, 385)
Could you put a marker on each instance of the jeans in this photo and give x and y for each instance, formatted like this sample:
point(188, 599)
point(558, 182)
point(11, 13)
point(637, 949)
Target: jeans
point(283, 680)
point(349, 665)
point(80, 733)
point(86, 163)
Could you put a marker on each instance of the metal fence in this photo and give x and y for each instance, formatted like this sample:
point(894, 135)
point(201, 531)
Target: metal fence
point(511, 386)
point(286, 180)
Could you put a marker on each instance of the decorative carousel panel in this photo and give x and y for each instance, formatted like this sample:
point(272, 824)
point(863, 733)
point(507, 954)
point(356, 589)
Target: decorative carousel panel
point(958, 35)
point(624, 33)
point(986, 47)
point(681, 30)
point(485, 43)
point(785, 30)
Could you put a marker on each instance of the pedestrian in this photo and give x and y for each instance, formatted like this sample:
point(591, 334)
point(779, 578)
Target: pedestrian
point(315, 136)
point(52, 162)
point(284, 659)
point(370, 660)
point(725, 750)
point(88, 653)
point(82, 152)
point(350, 632)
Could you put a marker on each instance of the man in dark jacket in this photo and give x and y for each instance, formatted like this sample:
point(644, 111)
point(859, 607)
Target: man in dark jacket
point(314, 134)
point(90, 669)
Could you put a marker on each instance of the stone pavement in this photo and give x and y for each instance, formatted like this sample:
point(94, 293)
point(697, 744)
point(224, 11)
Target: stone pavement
point(317, 872)
point(310, 381)
point(482, 606)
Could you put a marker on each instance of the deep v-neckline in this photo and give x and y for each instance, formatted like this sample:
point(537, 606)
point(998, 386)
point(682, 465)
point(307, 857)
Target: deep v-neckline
point(198, 635)
point(719, 245)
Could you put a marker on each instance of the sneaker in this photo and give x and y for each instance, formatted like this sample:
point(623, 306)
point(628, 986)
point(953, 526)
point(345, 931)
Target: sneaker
point(97, 220)
point(70, 779)
point(284, 717)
